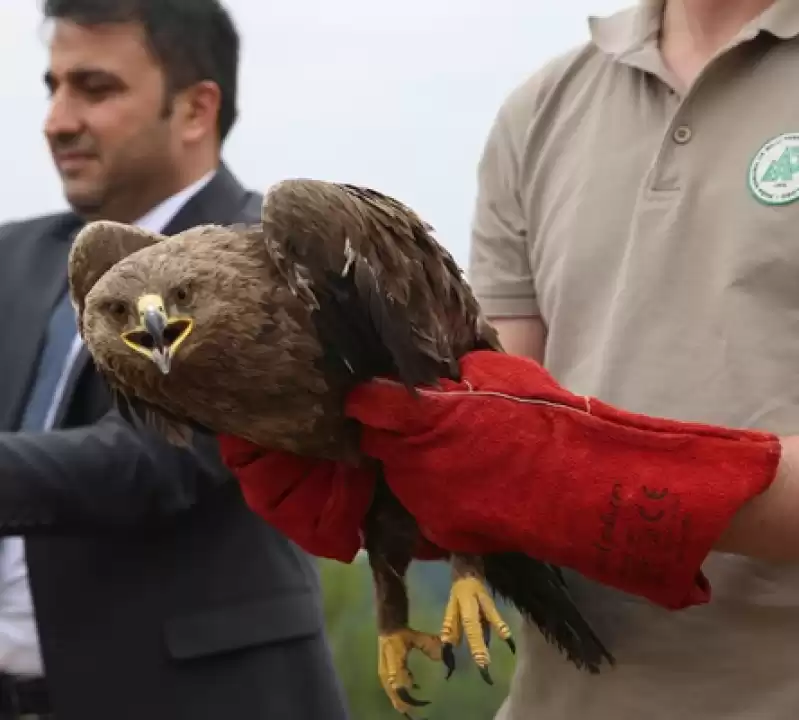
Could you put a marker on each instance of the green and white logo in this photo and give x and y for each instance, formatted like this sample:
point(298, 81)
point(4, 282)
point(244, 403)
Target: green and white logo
point(774, 172)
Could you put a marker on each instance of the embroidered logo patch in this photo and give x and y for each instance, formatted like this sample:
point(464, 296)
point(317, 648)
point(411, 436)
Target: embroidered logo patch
point(774, 171)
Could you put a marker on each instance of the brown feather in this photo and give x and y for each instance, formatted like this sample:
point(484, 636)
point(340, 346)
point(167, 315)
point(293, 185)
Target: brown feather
point(97, 248)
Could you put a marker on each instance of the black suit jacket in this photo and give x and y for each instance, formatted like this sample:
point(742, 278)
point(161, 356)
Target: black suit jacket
point(157, 593)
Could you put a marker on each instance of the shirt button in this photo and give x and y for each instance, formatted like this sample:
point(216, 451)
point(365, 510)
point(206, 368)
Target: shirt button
point(682, 134)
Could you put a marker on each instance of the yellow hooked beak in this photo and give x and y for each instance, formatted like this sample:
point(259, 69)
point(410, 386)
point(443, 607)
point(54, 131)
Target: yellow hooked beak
point(157, 336)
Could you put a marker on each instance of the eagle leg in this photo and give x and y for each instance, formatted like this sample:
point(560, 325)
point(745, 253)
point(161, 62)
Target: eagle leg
point(395, 638)
point(471, 612)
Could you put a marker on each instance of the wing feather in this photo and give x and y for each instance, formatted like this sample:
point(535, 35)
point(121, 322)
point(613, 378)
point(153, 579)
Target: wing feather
point(386, 292)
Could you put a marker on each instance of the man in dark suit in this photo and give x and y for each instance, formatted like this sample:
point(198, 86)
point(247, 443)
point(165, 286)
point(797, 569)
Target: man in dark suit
point(134, 581)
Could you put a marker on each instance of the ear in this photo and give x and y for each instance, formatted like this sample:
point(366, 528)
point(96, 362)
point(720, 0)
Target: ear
point(199, 107)
point(97, 248)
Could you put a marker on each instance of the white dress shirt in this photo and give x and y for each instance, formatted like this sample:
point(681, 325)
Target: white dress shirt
point(19, 640)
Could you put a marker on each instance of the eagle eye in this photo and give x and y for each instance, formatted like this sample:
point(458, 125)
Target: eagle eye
point(182, 293)
point(116, 308)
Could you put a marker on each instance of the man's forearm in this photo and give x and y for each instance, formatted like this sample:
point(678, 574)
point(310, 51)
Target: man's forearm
point(767, 527)
point(105, 475)
point(525, 336)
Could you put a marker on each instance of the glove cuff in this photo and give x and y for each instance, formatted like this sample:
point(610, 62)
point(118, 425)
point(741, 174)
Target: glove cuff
point(318, 504)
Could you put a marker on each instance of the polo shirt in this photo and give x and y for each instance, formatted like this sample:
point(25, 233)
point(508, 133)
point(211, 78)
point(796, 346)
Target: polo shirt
point(655, 234)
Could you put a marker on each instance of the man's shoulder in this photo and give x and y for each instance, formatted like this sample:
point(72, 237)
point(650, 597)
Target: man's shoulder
point(12, 230)
point(541, 93)
point(542, 81)
point(250, 211)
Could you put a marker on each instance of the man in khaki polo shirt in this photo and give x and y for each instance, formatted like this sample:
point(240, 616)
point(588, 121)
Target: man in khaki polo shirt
point(637, 230)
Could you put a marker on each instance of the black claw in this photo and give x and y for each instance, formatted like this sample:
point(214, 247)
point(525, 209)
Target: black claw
point(511, 645)
point(406, 697)
point(485, 675)
point(448, 656)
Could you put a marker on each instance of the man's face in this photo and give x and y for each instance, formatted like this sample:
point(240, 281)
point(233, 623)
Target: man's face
point(106, 127)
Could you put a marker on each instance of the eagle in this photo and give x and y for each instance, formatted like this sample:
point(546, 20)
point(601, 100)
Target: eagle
point(260, 331)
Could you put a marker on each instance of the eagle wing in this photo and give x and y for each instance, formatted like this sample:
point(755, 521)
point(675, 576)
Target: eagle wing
point(387, 294)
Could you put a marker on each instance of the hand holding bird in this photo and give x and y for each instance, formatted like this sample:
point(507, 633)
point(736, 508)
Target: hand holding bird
point(506, 460)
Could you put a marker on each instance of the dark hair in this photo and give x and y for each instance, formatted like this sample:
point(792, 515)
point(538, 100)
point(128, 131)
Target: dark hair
point(193, 40)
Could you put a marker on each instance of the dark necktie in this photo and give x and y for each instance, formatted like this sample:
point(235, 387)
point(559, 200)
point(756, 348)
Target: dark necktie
point(54, 360)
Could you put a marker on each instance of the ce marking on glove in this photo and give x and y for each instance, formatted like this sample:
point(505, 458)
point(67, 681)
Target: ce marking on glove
point(652, 495)
point(608, 520)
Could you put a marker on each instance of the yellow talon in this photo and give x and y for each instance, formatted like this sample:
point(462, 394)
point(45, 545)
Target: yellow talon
point(392, 664)
point(471, 612)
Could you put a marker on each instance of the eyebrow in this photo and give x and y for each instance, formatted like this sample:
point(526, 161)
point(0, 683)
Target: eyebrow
point(80, 75)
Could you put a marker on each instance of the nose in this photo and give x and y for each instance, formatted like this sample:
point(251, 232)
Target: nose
point(63, 120)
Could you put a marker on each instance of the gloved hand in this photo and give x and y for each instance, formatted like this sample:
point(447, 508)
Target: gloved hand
point(508, 460)
point(318, 504)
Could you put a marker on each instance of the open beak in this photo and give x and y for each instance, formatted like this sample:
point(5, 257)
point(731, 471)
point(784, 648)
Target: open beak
point(157, 336)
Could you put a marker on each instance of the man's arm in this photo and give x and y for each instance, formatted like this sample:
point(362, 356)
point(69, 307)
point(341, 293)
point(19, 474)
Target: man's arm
point(500, 270)
point(107, 475)
point(767, 527)
point(525, 336)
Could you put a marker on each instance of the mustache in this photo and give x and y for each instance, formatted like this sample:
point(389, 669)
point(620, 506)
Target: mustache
point(63, 142)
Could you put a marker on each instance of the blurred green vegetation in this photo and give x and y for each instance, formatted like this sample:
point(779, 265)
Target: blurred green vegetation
point(350, 619)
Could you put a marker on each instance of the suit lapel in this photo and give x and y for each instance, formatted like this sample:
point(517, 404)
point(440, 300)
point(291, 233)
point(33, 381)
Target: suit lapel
point(38, 262)
point(220, 202)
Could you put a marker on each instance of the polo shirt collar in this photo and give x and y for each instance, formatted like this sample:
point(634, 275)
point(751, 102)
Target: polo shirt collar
point(781, 19)
point(631, 35)
point(628, 30)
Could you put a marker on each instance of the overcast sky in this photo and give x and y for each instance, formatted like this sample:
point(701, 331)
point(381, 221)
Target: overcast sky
point(397, 95)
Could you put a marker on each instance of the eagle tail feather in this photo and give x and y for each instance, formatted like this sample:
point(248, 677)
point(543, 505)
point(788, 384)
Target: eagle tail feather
point(539, 592)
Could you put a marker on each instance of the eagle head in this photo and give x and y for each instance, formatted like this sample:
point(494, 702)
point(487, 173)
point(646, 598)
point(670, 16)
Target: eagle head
point(200, 325)
point(151, 325)
point(167, 301)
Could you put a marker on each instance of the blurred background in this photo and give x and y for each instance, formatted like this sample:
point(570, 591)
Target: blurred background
point(399, 96)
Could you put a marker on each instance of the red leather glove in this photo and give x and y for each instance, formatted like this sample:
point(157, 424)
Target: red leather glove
point(319, 504)
point(508, 460)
